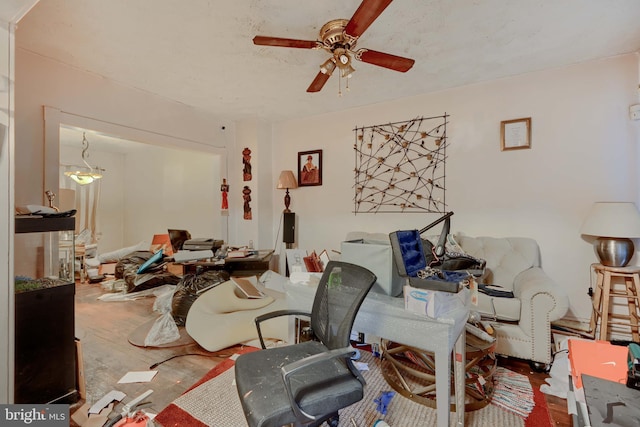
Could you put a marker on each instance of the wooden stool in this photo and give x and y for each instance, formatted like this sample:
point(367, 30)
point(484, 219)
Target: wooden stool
point(606, 290)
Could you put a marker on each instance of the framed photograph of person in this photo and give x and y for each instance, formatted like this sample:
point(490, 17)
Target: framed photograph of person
point(309, 168)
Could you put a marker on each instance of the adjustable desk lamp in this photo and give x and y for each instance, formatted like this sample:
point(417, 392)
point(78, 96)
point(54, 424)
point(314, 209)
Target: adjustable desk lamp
point(440, 248)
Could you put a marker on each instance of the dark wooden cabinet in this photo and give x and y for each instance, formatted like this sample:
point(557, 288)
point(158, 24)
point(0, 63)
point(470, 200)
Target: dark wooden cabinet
point(253, 265)
point(45, 354)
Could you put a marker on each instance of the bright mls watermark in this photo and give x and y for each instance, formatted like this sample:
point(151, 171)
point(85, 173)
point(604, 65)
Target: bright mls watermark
point(34, 415)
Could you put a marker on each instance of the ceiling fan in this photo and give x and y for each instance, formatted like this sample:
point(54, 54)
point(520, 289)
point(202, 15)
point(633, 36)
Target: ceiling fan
point(339, 37)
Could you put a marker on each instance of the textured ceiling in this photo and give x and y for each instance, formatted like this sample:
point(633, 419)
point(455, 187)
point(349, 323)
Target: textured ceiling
point(200, 52)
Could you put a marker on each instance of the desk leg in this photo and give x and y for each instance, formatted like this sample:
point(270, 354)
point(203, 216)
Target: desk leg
point(459, 376)
point(443, 386)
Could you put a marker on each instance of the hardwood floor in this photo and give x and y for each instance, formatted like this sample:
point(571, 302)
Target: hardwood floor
point(104, 330)
point(557, 406)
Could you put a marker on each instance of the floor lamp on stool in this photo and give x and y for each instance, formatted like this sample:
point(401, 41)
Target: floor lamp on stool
point(613, 225)
point(287, 181)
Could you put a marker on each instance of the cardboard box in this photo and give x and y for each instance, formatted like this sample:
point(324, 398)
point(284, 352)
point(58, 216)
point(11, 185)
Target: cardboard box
point(375, 255)
point(433, 304)
point(175, 268)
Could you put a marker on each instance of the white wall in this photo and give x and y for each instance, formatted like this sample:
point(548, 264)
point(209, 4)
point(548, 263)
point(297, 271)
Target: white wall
point(6, 211)
point(171, 189)
point(111, 207)
point(255, 135)
point(584, 149)
point(41, 82)
point(150, 189)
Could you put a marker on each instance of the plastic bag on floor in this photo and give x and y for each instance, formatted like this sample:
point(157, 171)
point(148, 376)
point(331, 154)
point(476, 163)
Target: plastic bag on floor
point(558, 381)
point(164, 330)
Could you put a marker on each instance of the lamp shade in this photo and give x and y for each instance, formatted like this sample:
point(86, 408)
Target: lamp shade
point(613, 224)
point(83, 177)
point(612, 219)
point(287, 181)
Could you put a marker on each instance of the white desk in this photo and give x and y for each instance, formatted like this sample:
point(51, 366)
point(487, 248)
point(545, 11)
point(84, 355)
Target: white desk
point(385, 317)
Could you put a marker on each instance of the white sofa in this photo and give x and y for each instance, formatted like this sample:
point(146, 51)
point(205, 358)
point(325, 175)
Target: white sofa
point(522, 323)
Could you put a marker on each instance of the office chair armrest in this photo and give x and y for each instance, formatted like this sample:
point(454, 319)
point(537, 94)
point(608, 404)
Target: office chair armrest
point(292, 368)
point(273, 314)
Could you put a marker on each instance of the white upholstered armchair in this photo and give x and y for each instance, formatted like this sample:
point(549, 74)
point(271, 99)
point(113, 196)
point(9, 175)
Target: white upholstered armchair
point(522, 323)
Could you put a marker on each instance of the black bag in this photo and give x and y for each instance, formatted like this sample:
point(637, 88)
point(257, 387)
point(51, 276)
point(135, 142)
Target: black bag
point(438, 257)
point(190, 288)
point(451, 261)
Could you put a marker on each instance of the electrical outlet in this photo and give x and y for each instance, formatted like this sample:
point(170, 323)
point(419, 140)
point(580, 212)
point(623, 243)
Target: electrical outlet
point(634, 112)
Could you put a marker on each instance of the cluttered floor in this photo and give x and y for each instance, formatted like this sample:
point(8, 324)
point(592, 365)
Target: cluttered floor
point(107, 329)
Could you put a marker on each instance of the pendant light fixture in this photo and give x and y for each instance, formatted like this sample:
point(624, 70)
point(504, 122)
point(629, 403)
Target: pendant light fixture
point(85, 175)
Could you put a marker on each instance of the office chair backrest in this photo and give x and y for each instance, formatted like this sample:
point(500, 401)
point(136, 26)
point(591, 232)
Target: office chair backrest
point(340, 293)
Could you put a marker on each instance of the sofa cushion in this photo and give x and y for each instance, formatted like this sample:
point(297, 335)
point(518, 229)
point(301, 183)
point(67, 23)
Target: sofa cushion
point(506, 257)
point(506, 309)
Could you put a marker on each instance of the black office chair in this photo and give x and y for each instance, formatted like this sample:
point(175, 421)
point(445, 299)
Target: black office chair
point(307, 383)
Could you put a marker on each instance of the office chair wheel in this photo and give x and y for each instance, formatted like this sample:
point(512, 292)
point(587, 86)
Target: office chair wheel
point(333, 421)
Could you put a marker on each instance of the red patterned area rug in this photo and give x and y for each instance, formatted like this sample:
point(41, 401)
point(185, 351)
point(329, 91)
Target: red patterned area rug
point(213, 402)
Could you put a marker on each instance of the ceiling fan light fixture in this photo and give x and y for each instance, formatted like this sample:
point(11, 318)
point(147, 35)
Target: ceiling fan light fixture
point(347, 71)
point(341, 57)
point(328, 66)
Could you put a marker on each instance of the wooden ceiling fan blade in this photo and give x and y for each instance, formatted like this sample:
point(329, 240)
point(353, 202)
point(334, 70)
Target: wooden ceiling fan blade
point(386, 60)
point(318, 83)
point(367, 12)
point(282, 42)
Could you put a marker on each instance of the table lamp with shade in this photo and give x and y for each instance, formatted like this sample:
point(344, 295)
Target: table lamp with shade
point(613, 224)
point(287, 181)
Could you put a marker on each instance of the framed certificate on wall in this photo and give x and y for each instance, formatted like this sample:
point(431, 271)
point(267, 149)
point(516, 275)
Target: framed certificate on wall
point(515, 134)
